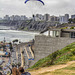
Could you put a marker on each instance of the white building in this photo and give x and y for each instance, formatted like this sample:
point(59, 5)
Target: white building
point(64, 19)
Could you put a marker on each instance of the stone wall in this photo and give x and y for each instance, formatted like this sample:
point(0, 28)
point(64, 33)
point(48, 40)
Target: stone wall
point(45, 45)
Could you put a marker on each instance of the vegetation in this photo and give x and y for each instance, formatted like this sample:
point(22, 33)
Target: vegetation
point(59, 57)
point(71, 20)
point(25, 28)
point(64, 28)
point(72, 27)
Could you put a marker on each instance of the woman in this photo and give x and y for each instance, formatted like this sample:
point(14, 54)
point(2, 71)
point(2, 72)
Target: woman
point(15, 71)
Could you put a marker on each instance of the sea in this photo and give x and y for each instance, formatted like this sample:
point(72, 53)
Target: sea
point(10, 35)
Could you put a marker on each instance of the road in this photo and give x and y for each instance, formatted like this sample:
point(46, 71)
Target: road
point(5, 64)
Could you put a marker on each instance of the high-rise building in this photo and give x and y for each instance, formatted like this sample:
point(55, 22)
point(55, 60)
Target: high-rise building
point(0, 18)
point(54, 19)
point(12, 17)
point(22, 17)
point(39, 17)
point(61, 19)
point(16, 17)
point(47, 17)
point(6, 17)
point(72, 16)
point(64, 19)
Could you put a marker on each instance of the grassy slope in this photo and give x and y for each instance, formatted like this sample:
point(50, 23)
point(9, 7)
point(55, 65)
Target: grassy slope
point(64, 55)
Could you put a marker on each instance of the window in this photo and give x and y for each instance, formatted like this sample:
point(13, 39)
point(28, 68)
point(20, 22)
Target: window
point(72, 34)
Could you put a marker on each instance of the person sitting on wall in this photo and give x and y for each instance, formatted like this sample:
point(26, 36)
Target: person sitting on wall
point(21, 70)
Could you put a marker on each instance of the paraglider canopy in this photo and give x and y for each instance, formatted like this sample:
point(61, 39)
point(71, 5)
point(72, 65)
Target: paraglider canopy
point(35, 0)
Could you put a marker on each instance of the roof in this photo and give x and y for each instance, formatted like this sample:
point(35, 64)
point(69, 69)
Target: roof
point(57, 29)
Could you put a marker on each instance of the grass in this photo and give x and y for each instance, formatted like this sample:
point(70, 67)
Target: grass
point(64, 55)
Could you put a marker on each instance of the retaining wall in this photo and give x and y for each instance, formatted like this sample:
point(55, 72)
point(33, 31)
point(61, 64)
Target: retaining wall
point(45, 45)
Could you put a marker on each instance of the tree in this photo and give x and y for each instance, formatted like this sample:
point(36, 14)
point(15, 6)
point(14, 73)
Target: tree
point(53, 57)
point(73, 20)
point(70, 20)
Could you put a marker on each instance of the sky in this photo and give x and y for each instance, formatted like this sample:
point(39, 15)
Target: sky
point(52, 7)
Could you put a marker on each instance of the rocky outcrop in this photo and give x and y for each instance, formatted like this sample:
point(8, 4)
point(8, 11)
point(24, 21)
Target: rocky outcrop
point(36, 25)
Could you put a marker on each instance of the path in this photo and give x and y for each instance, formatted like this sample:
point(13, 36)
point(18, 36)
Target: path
point(51, 68)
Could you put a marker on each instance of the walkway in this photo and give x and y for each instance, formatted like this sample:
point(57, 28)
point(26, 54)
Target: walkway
point(51, 68)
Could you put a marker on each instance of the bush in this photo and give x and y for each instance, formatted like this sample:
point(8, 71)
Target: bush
point(72, 27)
point(73, 51)
point(53, 57)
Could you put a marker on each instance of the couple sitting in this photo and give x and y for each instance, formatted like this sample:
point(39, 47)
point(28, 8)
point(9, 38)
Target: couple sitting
point(19, 71)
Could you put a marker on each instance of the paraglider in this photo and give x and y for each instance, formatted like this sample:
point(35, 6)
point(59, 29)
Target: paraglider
point(35, 0)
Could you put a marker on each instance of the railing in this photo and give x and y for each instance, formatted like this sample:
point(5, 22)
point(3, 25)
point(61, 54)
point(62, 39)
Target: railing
point(29, 53)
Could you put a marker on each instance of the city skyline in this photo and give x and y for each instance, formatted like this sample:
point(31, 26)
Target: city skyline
point(52, 7)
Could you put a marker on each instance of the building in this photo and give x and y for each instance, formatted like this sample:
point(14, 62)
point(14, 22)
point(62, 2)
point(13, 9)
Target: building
point(72, 16)
point(0, 18)
point(6, 17)
point(22, 17)
point(12, 17)
point(55, 40)
point(64, 19)
point(54, 19)
point(39, 17)
point(17, 17)
point(46, 17)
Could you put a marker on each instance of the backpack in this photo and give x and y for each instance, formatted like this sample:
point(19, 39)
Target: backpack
point(26, 73)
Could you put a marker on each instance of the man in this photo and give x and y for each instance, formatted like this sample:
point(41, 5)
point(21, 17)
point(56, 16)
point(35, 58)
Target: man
point(21, 70)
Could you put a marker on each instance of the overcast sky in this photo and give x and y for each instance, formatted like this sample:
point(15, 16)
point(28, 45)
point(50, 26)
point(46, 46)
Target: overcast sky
point(52, 7)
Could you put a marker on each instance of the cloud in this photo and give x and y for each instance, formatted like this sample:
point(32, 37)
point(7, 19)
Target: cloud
point(53, 7)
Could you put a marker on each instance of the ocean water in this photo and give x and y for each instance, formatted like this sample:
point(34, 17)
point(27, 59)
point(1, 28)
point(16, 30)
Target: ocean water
point(11, 35)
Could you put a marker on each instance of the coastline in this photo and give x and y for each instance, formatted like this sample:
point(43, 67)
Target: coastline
point(30, 31)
